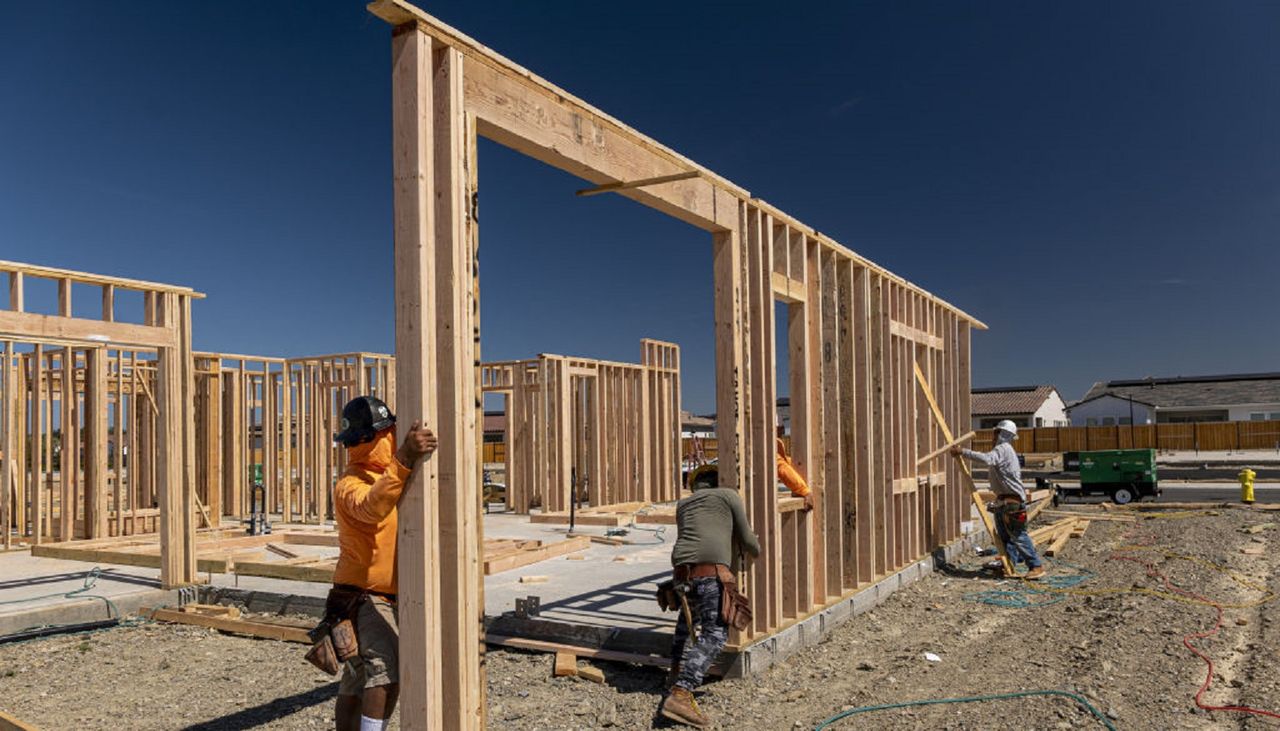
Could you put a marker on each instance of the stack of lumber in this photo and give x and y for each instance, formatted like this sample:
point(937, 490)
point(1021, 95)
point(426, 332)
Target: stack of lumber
point(1054, 536)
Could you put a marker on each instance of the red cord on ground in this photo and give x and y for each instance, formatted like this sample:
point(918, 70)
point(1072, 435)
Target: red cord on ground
point(1153, 572)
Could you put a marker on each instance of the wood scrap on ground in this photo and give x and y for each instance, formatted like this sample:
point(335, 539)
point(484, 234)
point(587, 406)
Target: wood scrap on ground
point(12, 723)
point(566, 665)
point(281, 551)
point(234, 625)
point(610, 655)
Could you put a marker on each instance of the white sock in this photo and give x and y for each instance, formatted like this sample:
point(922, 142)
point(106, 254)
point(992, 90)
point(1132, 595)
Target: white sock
point(372, 724)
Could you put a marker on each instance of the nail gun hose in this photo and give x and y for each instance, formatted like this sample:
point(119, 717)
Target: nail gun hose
point(972, 699)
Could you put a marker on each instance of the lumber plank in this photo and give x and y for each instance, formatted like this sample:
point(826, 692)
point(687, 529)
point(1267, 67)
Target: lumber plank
point(531, 556)
point(965, 471)
point(1051, 531)
point(422, 673)
point(1055, 546)
point(566, 665)
point(311, 539)
point(589, 672)
point(1091, 516)
point(321, 573)
point(81, 331)
point(610, 655)
point(598, 519)
point(264, 630)
point(944, 448)
point(12, 723)
point(1038, 508)
point(280, 550)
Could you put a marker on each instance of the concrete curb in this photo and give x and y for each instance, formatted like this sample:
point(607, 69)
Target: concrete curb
point(83, 610)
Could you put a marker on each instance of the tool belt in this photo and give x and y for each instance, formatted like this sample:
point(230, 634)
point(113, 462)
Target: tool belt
point(334, 638)
point(735, 608)
point(687, 571)
point(1012, 511)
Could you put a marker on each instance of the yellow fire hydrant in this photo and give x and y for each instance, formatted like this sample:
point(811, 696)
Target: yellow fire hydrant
point(1246, 476)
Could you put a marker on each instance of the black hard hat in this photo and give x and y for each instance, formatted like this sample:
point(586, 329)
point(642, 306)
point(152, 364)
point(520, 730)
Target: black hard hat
point(362, 418)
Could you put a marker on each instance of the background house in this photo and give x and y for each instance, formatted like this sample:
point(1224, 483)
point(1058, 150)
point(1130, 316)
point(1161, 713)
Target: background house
point(1237, 397)
point(1026, 406)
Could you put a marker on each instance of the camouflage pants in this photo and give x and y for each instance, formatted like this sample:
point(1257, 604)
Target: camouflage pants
point(696, 658)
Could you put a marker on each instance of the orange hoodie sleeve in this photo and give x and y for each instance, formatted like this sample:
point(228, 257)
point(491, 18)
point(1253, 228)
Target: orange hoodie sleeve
point(373, 503)
point(789, 475)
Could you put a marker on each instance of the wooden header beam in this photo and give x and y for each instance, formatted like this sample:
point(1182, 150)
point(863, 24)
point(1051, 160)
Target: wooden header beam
point(521, 110)
point(80, 331)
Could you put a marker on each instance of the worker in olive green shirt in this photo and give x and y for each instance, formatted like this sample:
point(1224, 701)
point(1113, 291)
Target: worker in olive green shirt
point(707, 522)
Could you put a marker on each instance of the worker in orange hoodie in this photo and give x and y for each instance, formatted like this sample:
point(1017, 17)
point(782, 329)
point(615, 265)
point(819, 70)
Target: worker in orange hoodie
point(792, 478)
point(364, 582)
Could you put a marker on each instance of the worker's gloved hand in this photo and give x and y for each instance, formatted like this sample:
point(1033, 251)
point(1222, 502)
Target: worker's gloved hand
point(955, 450)
point(418, 443)
point(808, 502)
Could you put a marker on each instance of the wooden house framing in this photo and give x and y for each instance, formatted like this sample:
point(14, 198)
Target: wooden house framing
point(115, 392)
point(856, 334)
point(610, 430)
point(878, 368)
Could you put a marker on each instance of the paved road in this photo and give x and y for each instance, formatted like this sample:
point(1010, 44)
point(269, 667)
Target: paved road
point(1206, 491)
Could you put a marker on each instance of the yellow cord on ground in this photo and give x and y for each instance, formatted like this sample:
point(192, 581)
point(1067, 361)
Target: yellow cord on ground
point(1267, 594)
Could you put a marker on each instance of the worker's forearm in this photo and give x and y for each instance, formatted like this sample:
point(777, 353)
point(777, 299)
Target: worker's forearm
point(982, 457)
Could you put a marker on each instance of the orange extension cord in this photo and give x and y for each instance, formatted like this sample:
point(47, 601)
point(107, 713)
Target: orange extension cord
point(1187, 639)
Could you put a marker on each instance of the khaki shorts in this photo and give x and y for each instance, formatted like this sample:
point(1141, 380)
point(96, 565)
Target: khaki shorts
point(378, 663)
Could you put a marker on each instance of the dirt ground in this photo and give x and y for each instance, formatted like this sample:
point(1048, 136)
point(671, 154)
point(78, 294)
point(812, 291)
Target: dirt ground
point(1104, 638)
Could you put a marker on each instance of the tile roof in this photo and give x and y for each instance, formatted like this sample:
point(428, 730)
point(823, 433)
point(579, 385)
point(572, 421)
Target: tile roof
point(1193, 391)
point(1009, 400)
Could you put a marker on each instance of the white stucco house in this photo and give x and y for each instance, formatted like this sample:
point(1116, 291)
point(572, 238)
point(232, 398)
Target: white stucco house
point(1233, 397)
point(1026, 406)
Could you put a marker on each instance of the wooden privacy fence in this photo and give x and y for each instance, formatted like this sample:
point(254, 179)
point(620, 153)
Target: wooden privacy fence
point(611, 429)
point(1203, 436)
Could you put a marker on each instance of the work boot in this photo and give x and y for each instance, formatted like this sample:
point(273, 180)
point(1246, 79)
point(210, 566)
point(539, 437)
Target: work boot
point(682, 708)
point(1035, 574)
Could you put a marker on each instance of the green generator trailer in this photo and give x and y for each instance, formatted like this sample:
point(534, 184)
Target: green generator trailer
point(1124, 474)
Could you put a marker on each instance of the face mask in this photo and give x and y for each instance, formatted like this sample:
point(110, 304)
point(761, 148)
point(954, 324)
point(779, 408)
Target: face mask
point(376, 454)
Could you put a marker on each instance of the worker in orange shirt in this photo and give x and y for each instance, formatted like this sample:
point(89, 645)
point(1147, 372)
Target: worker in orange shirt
point(792, 478)
point(364, 582)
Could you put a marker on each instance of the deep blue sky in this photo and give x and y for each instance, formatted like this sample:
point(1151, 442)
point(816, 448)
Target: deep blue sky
point(1099, 182)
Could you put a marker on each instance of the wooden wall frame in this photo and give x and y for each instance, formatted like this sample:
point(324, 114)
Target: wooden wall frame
point(81, 365)
point(611, 428)
point(857, 329)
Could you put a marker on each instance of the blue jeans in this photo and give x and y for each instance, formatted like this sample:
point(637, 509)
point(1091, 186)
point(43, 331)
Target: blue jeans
point(696, 657)
point(1016, 539)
